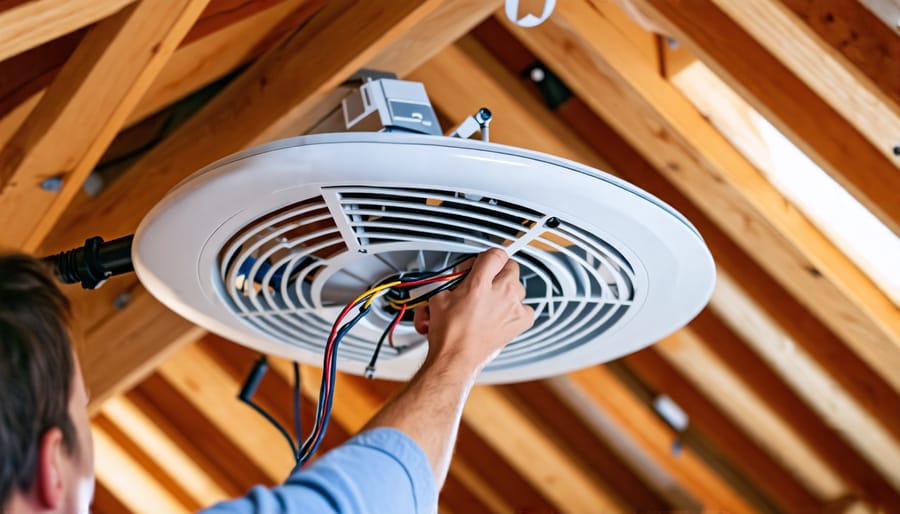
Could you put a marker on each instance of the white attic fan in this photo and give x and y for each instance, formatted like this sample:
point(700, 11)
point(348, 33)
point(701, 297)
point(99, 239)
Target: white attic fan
point(266, 246)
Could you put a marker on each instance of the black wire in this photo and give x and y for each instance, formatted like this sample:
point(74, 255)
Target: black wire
point(298, 421)
point(409, 276)
point(434, 292)
point(262, 412)
point(371, 367)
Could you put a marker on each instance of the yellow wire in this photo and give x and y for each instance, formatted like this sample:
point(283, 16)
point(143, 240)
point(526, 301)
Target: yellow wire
point(394, 303)
point(373, 291)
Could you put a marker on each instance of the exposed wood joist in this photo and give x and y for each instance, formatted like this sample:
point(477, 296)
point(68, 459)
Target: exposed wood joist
point(592, 454)
point(764, 468)
point(166, 455)
point(867, 388)
point(798, 369)
point(127, 480)
point(657, 439)
point(82, 111)
point(204, 55)
point(123, 349)
point(857, 33)
point(27, 24)
point(689, 363)
point(521, 442)
point(465, 73)
point(219, 456)
point(871, 483)
point(599, 64)
point(294, 76)
point(807, 91)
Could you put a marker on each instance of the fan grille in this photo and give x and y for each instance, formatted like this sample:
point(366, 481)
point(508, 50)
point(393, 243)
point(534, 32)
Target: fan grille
point(288, 273)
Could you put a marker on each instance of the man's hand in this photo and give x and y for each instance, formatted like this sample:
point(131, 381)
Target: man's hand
point(472, 323)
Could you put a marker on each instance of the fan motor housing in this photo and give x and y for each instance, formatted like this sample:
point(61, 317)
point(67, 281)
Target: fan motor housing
point(265, 247)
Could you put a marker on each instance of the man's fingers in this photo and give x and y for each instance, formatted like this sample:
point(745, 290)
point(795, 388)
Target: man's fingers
point(510, 272)
point(421, 319)
point(487, 265)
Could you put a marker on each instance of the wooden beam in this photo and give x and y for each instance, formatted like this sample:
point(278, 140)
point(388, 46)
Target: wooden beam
point(123, 476)
point(173, 462)
point(585, 447)
point(295, 75)
point(855, 32)
point(879, 485)
point(585, 50)
point(657, 439)
point(68, 131)
point(122, 350)
point(205, 59)
point(450, 21)
point(521, 442)
point(623, 443)
point(202, 56)
point(105, 502)
point(807, 379)
point(26, 25)
point(781, 477)
point(208, 446)
point(806, 88)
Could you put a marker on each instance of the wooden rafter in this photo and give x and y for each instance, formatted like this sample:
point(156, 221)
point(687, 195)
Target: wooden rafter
point(556, 418)
point(807, 90)
point(294, 76)
point(870, 483)
point(657, 439)
point(600, 65)
point(81, 113)
point(26, 24)
point(854, 31)
point(743, 408)
point(120, 351)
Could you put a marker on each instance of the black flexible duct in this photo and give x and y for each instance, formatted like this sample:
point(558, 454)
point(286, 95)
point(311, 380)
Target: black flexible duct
point(94, 262)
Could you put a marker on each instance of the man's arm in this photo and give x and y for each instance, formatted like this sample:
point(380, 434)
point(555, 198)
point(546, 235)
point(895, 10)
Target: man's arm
point(401, 458)
point(467, 327)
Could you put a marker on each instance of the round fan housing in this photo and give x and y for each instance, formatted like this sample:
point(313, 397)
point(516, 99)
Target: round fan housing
point(266, 246)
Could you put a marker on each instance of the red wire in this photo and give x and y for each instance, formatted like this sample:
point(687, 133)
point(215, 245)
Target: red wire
point(334, 329)
point(395, 323)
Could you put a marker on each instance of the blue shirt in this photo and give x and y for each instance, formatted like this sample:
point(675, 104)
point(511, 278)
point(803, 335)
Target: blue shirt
point(380, 471)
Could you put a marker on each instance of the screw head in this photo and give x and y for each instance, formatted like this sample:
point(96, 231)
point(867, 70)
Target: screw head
point(537, 74)
point(897, 150)
point(552, 222)
point(53, 184)
point(362, 250)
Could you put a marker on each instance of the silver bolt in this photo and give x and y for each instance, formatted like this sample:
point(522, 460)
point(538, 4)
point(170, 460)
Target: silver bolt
point(537, 74)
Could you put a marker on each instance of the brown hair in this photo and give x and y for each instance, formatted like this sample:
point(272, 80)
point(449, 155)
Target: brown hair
point(36, 368)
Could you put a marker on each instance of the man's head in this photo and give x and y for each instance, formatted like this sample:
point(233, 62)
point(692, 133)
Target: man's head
point(45, 442)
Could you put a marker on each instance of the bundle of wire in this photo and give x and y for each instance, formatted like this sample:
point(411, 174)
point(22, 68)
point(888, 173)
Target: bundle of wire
point(364, 303)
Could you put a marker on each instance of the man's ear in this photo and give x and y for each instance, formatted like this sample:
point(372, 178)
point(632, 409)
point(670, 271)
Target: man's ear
point(49, 479)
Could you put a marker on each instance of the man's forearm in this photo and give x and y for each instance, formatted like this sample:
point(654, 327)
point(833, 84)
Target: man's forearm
point(428, 409)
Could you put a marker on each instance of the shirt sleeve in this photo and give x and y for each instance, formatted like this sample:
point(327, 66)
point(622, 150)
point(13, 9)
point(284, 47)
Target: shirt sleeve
point(376, 472)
